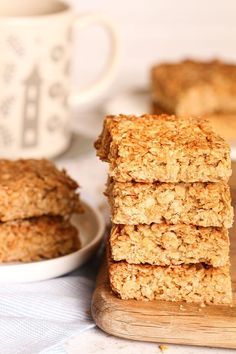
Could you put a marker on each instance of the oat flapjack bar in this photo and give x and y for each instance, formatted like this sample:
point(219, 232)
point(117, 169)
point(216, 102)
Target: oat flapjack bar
point(201, 204)
point(35, 239)
point(194, 87)
point(190, 283)
point(163, 244)
point(163, 148)
point(31, 188)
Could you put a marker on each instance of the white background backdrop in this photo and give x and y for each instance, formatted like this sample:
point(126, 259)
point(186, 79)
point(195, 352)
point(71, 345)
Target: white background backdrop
point(154, 30)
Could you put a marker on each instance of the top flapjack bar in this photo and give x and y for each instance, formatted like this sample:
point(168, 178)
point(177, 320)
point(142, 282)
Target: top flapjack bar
point(194, 87)
point(30, 188)
point(163, 148)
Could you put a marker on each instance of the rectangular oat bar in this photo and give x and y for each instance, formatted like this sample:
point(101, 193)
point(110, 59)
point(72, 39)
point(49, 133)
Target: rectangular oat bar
point(31, 188)
point(35, 239)
point(201, 204)
point(194, 87)
point(190, 283)
point(163, 244)
point(163, 148)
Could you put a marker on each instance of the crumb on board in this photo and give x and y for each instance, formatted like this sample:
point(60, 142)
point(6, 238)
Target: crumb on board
point(181, 307)
point(163, 347)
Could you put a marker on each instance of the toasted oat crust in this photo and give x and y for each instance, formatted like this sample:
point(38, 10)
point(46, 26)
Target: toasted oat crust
point(37, 238)
point(202, 204)
point(163, 148)
point(194, 87)
point(33, 188)
point(190, 283)
point(163, 244)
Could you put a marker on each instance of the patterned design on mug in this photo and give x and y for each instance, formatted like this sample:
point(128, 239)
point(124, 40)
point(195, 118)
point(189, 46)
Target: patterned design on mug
point(15, 45)
point(66, 130)
point(67, 68)
point(54, 123)
point(57, 53)
point(8, 73)
point(56, 90)
point(5, 137)
point(6, 106)
point(31, 109)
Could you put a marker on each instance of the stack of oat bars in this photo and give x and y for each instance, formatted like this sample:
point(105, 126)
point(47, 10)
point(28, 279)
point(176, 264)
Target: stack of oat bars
point(170, 207)
point(36, 202)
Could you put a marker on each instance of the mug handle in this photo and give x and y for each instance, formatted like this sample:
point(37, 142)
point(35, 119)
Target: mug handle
point(88, 93)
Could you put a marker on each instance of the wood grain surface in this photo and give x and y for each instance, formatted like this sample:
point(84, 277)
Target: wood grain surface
point(168, 322)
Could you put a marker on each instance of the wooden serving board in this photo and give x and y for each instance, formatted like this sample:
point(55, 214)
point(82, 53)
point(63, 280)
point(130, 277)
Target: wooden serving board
point(166, 322)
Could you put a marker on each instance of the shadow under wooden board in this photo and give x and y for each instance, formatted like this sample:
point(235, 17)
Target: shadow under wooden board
point(167, 322)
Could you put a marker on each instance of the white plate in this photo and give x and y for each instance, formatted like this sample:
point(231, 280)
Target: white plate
point(91, 227)
point(139, 102)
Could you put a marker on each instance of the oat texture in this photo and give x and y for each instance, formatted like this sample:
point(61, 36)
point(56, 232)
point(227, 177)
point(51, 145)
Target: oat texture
point(163, 244)
point(35, 239)
point(163, 148)
point(31, 188)
point(190, 283)
point(194, 87)
point(201, 204)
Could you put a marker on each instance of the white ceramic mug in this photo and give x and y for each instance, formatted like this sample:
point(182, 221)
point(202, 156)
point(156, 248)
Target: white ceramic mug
point(36, 38)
